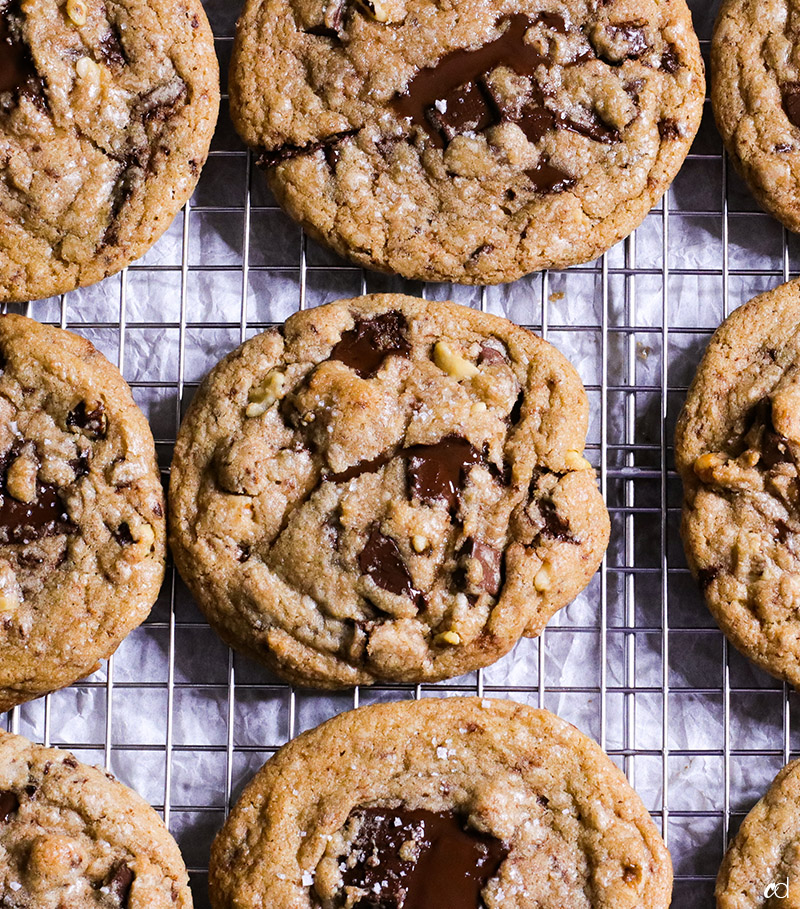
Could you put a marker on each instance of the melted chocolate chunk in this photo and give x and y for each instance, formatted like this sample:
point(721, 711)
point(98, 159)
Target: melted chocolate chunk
point(352, 473)
point(323, 31)
point(774, 449)
point(705, 576)
point(632, 35)
point(382, 561)
point(592, 127)
point(465, 109)
point(163, 102)
point(491, 560)
point(119, 883)
point(536, 122)
point(366, 346)
point(669, 59)
point(466, 67)
point(9, 803)
point(437, 472)
point(516, 411)
point(549, 179)
point(17, 70)
point(92, 422)
point(554, 21)
point(80, 465)
point(123, 534)
point(555, 527)
point(790, 91)
point(269, 158)
point(669, 129)
point(491, 355)
point(26, 522)
point(111, 49)
point(451, 868)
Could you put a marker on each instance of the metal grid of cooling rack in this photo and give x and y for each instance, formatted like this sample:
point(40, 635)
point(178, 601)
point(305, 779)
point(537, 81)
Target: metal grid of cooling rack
point(636, 662)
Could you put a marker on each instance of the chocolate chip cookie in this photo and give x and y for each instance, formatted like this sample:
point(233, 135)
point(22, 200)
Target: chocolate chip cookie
point(761, 868)
point(440, 802)
point(82, 529)
point(386, 488)
point(755, 92)
point(471, 143)
point(71, 835)
point(738, 451)
point(107, 108)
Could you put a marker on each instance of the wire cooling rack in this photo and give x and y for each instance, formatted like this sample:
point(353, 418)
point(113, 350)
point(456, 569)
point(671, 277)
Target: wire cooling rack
point(637, 661)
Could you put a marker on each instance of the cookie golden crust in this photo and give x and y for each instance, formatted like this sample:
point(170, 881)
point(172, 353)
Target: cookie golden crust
point(82, 528)
point(556, 822)
point(474, 143)
point(737, 450)
point(761, 869)
point(72, 835)
point(107, 108)
point(755, 93)
point(388, 488)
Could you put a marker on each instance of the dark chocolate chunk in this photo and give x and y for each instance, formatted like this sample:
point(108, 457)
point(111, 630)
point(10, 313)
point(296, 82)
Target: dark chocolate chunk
point(92, 422)
point(549, 179)
point(437, 471)
point(80, 465)
point(269, 158)
point(465, 109)
point(352, 473)
point(382, 561)
point(9, 803)
point(465, 67)
point(365, 346)
point(705, 576)
point(554, 21)
point(782, 531)
point(516, 411)
point(17, 71)
point(536, 122)
point(123, 534)
point(322, 31)
point(632, 36)
point(774, 449)
point(555, 527)
point(119, 882)
point(26, 522)
point(592, 127)
point(491, 560)
point(451, 868)
point(669, 129)
point(163, 102)
point(112, 50)
point(790, 91)
point(491, 355)
point(669, 59)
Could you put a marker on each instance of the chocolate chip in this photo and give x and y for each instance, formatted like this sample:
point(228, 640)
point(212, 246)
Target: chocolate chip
point(536, 122)
point(466, 67)
point(491, 355)
point(119, 881)
point(549, 179)
point(26, 522)
point(706, 576)
point(632, 36)
point(365, 346)
point(352, 473)
point(436, 472)
point(464, 109)
point(451, 867)
point(555, 527)
point(269, 158)
point(111, 49)
point(790, 91)
point(93, 422)
point(123, 534)
point(80, 465)
point(382, 561)
point(669, 129)
point(491, 560)
point(9, 803)
point(669, 59)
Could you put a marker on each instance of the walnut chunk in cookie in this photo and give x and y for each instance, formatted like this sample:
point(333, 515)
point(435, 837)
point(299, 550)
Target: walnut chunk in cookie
point(386, 508)
point(738, 453)
point(82, 528)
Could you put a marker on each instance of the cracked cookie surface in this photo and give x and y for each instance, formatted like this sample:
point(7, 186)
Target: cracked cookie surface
point(764, 851)
point(388, 488)
point(738, 450)
point(441, 802)
point(72, 835)
point(755, 92)
point(471, 142)
point(82, 528)
point(107, 108)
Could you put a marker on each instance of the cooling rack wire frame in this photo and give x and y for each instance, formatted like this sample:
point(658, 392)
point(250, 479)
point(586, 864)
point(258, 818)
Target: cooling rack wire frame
point(637, 661)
